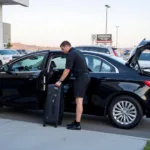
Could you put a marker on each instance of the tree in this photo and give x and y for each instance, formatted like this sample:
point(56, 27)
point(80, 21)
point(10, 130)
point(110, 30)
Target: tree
point(9, 45)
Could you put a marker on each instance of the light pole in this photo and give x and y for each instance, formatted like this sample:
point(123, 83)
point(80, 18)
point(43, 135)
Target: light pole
point(107, 6)
point(117, 36)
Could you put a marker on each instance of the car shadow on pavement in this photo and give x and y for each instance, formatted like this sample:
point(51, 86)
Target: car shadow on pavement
point(37, 117)
point(90, 123)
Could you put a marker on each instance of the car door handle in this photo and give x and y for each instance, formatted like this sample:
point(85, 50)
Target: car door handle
point(31, 77)
point(104, 78)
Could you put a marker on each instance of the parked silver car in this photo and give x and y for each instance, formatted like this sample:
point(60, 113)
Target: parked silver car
point(102, 49)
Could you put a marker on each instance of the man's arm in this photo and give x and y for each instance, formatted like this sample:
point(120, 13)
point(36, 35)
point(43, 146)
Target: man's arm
point(69, 65)
point(64, 75)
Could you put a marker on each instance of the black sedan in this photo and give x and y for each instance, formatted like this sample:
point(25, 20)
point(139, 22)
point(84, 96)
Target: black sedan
point(117, 89)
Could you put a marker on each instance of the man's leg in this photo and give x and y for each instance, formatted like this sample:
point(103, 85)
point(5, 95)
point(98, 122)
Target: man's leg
point(79, 109)
point(80, 87)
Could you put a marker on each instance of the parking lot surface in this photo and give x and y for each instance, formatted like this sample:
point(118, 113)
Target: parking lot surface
point(90, 123)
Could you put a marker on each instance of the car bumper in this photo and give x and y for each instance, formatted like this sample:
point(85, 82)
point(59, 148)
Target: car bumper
point(147, 110)
point(148, 114)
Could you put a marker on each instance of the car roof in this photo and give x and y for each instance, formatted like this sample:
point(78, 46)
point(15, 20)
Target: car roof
point(94, 52)
point(97, 46)
point(101, 54)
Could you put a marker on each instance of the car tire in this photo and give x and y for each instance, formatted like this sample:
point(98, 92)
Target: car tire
point(125, 112)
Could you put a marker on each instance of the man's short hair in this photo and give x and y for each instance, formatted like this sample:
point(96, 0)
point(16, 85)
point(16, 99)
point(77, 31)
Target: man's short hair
point(65, 43)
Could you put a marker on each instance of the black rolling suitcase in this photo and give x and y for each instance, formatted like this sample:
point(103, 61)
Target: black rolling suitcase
point(54, 106)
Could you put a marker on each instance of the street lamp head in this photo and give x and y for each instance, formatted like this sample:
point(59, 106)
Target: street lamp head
point(107, 6)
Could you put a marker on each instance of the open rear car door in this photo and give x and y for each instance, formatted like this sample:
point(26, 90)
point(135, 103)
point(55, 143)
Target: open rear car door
point(135, 54)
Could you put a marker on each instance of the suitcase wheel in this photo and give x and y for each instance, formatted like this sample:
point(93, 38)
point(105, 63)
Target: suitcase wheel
point(44, 125)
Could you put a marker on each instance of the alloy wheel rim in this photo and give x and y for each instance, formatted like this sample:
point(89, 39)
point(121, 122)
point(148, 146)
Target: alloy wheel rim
point(124, 112)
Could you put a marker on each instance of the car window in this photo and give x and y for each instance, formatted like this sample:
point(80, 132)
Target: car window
point(97, 49)
point(58, 62)
point(93, 63)
point(86, 58)
point(8, 52)
point(32, 63)
point(107, 68)
point(97, 64)
point(145, 57)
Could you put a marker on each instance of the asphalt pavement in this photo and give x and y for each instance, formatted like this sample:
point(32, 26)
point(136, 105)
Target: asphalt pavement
point(90, 123)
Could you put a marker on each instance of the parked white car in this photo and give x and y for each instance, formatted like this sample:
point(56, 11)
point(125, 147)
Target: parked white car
point(6, 55)
point(144, 60)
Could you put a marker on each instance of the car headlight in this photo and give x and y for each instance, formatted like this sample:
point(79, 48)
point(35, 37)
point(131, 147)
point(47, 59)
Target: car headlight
point(5, 58)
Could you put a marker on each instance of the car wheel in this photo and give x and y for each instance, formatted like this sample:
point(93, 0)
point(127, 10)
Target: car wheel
point(125, 112)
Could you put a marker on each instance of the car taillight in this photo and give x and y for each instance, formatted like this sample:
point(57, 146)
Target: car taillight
point(115, 53)
point(147, 83)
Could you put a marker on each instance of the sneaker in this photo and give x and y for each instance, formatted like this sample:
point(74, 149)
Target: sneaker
point(73, 126)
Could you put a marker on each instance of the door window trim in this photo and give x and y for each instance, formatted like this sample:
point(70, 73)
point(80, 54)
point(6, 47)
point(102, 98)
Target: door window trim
point(116, 70)
point(51, 57)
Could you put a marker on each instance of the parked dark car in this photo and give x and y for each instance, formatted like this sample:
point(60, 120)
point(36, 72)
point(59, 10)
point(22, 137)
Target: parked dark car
point(126, 52)
point(117, 89)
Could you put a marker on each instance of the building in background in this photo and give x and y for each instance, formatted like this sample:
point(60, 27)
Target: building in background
point(8, 2)
point(6, 34)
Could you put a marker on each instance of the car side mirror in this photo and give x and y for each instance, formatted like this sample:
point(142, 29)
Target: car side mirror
point(6, 68)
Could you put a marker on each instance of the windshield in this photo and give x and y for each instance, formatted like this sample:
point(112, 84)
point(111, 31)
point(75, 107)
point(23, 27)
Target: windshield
point(8, 52)
point(145, 57)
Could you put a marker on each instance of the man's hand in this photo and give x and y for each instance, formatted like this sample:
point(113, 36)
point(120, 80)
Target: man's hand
point(58, 84)
point(63, 77)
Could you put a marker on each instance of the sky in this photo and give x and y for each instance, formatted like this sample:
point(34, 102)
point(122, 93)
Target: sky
point(49, 22)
